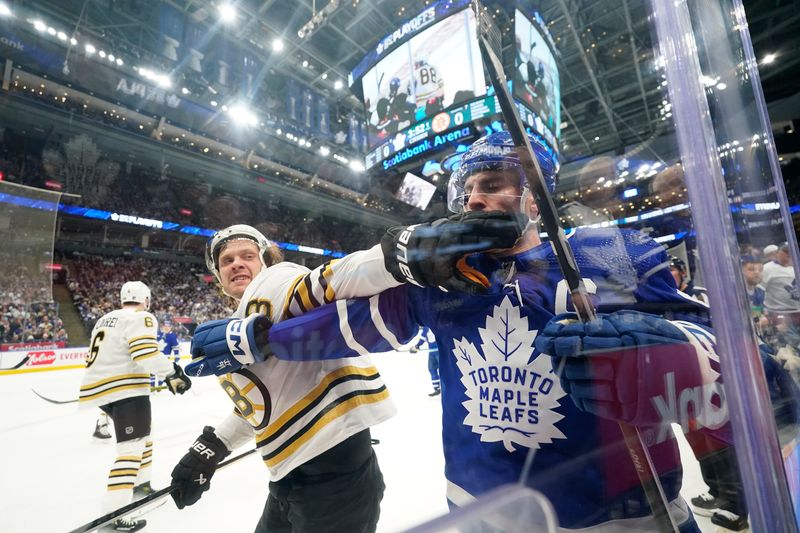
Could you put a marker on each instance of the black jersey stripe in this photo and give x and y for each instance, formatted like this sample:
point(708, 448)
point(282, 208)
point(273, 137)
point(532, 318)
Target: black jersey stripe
point(314, 404)
point(327, 291)
point(311, 423)
point(116, 388)
point(96, 384)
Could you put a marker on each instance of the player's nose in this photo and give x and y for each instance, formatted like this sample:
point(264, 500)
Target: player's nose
point(476, 201)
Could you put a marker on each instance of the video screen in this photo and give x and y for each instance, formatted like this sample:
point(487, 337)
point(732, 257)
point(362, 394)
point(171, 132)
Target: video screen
point(415, 191)
point(536, 80)
point(435, 69)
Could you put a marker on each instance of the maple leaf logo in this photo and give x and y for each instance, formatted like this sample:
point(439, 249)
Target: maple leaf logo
point(511, 398)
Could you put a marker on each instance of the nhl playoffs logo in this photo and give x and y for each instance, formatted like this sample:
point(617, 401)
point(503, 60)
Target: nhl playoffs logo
point(511, 398)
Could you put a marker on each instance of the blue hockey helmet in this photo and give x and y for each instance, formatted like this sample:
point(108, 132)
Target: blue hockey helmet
point(394, 85)
point(497, 152)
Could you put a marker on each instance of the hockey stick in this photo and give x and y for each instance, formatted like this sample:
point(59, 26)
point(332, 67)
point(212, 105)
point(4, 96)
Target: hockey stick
point(16, 366)
point(131, 507)
point(61, 402)
point(58, 402)
point(566, 261)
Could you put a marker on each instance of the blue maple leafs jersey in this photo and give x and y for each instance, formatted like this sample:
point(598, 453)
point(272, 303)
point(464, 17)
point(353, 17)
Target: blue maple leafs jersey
point(501, 398)
point(168, 342)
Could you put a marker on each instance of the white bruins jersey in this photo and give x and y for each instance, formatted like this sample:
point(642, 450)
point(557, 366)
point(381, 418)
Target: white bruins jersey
point(427, 84)
point(122, 355)
point(300, 410)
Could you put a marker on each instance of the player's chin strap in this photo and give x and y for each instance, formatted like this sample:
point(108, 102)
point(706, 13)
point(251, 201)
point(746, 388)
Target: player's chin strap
point(131, 507)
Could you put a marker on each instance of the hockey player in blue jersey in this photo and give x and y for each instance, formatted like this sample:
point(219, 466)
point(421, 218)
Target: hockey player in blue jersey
point(501, 397)
point(168, 341)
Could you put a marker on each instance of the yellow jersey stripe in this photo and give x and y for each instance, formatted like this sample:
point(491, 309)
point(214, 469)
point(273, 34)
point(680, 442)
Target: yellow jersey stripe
point(303, 295)
point(120, 486)
point(141, 338)
point(147, 355)
point(145, 386)
point(286, 313)
point(122, 472)
point(327, 272)
point(131, 458)
point(115, 378)
point(341, 409)
point(312, 396)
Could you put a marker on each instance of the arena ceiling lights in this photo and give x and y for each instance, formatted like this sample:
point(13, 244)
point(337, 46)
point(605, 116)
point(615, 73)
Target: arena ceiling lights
point(242, 116)
point(227, 13)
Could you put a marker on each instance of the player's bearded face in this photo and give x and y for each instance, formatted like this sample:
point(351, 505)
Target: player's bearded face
point(239, 263)
point(493, 190)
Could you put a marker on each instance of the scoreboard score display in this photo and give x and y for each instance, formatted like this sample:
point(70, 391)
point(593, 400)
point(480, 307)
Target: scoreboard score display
point(453, 118)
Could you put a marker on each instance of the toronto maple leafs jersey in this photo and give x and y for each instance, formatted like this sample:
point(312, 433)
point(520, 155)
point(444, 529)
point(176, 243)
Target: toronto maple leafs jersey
point(122, 355)
point(168, 342)
point(298, 411)
point(501, 398)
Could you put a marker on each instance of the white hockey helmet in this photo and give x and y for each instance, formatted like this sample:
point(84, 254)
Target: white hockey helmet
point(135, 292)
point(216, 243)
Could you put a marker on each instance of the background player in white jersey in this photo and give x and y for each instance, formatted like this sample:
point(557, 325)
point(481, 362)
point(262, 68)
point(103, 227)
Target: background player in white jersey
point(122, 355)
point(310, 421)
point(428, 89)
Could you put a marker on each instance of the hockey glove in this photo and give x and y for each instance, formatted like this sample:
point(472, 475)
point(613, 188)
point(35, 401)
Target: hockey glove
point(192, 475)
point(625, 365)
point(178, 382)
point(431, 255)
point(222, 346)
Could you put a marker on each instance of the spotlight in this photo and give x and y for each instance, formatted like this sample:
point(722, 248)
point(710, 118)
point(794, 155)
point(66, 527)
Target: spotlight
point(277, 45)
point(227, 13)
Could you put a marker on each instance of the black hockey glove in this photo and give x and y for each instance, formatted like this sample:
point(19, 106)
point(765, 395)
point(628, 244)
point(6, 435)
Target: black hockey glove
point(178, 382)
point(192, 475)
point(429, 255)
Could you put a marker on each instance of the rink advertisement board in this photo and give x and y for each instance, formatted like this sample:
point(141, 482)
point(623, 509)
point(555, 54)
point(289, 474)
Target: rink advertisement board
point(39, 360)
point(42, 359)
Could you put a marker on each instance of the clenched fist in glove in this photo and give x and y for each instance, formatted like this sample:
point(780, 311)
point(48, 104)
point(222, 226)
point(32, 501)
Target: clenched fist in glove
point(192, 475)
point(628, 365)
point(178, 382)
point(429, 255)
point(222, 346)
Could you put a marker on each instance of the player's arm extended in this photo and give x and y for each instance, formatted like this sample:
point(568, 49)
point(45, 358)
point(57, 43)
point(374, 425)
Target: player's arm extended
point(345, 329)
point(426, 255)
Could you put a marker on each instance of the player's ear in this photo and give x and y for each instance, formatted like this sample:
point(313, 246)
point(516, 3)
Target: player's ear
point(529, 206)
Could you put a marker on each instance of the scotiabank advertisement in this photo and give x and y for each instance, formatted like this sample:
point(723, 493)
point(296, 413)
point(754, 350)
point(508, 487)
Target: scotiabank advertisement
point(42, 359)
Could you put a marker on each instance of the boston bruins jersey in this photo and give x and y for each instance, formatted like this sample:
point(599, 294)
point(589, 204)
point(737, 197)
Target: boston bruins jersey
point(300, 410)
point(122, 355)
point(427, 83)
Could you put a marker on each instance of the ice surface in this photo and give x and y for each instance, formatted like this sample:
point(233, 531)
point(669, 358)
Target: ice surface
point(54, 473)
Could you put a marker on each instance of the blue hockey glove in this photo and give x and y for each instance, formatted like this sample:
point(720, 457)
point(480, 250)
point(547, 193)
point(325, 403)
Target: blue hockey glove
point(222, 346)
point(619, 365)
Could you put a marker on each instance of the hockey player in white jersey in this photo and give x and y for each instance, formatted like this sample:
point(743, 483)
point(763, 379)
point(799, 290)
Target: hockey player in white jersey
point(428, 89)
point(310, 421)
point(122, 355)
